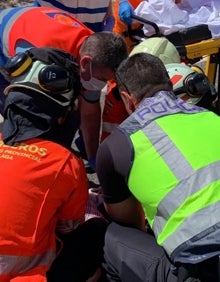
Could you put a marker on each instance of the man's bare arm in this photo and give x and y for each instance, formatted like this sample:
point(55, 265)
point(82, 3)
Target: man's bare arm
point(90, 115)
point(129, 212)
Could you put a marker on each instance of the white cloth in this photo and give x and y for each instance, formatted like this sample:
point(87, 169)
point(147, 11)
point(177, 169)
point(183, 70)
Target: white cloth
point(171, 17)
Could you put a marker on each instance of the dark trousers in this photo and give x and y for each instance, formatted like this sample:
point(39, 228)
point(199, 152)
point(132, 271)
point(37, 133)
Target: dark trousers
point(134, 256)
point(82, 253)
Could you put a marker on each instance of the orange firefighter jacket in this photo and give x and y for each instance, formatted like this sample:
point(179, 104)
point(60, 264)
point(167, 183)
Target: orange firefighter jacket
point(43, 188)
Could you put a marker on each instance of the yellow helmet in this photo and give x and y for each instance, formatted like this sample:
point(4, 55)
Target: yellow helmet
point(159, 47)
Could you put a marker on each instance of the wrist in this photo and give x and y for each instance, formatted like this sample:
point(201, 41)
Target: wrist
point(92, 162)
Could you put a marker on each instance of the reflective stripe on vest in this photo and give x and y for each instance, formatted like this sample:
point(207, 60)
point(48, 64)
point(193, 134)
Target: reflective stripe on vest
point(7, 19)
point(20, 264)
point(165, 148)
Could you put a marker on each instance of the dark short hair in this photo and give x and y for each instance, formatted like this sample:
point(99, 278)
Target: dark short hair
point(107, 49)
point(143, 75)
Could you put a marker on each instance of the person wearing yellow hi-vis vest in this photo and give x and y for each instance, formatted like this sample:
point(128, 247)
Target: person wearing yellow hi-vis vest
point(160, 166)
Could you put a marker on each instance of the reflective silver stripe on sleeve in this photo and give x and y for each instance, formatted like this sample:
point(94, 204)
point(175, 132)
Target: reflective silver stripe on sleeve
point(19, 264)
point(3, 13)
point(9, 24)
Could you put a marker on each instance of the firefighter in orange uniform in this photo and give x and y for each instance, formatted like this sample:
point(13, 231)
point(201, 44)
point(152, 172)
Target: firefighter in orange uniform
point(44, 187)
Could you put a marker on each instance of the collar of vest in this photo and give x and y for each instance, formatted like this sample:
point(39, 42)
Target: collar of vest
point(161, 104)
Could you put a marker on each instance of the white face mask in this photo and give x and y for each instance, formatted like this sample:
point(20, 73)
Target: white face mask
point(93, 84)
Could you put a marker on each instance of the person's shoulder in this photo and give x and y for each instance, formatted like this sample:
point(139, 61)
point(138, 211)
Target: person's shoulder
point(116, 144)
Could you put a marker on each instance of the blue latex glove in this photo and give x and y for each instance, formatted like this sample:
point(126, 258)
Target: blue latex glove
point(92, 163)
point(125, 12)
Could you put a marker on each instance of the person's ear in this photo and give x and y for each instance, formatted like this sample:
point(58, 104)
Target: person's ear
point(128, 101)
point(85, 60)
point(84, 63)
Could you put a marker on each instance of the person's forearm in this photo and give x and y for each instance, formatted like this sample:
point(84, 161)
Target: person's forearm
point(128, 212)
point(90, 128)
point(90, 135)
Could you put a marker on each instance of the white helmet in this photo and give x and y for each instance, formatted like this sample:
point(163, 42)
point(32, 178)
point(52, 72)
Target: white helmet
point(189, 84)
point(159, 47)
